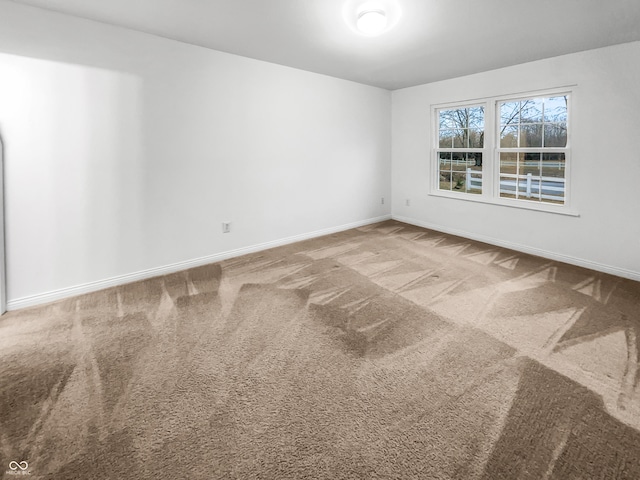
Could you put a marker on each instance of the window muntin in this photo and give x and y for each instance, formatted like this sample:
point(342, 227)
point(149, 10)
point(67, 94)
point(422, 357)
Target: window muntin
point(460, 148)
point(532, 148)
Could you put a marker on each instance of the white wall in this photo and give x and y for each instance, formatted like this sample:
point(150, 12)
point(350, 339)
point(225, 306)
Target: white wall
point(124, 152)
point(605, 161)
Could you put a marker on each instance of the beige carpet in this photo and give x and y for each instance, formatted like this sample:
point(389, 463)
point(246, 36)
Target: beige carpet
point(384, 352)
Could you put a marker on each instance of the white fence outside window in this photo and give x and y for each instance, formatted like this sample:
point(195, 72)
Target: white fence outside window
point(521, 186)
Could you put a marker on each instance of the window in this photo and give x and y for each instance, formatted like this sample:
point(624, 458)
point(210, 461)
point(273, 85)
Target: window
point(532, 149)
point(518, 155)
point(460, 148)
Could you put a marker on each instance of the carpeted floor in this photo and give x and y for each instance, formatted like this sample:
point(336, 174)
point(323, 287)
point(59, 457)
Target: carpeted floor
point(384, 352)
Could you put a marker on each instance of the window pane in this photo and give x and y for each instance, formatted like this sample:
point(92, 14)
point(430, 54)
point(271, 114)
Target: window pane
point(444, 170)
point(476, 117)
point(553, 165)
point(533, 190)
point(459, 162)
point(530, 164)
point(553, 182)
point(445, 180)
point(509, 113)
point(531, 111)
point(509, 137)
point(531, 135)
point(476, 138)
point(547, 197)
point(446, 138)
point(508, 162)
point(457, 181)
point(446, 119)
point(461, 117)
point(474, 183)
point(474, 161)
point(460, 139)
point(555, 109)
point(445, 160)
point(555, 135)
point(522, 187)
point(507, 187)
point(553, 191)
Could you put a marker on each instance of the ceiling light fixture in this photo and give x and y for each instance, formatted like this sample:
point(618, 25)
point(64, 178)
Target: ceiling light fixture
point(372, 22)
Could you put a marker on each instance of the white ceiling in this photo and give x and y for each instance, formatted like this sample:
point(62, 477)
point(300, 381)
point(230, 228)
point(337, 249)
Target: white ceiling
point(432, 39)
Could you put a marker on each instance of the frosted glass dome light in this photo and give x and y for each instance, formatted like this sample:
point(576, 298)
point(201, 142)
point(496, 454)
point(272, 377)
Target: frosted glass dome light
point(372, 22)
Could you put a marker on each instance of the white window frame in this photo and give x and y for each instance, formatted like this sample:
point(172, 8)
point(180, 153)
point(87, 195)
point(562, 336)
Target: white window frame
point(491, 152)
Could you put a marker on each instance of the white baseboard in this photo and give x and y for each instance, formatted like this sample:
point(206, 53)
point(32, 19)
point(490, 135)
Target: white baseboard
point(54, 295)
point(580, 262)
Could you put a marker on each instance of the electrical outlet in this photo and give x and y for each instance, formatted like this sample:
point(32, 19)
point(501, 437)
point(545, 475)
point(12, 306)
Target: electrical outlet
point(408, 203)
point(382, 201)
point(226, 227)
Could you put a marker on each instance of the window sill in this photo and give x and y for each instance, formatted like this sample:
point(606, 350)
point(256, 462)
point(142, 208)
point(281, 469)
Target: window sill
point(520, 204)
